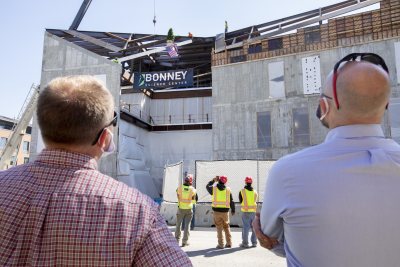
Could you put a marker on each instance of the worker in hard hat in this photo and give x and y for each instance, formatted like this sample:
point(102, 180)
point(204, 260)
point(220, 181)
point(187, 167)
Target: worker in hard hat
point(186, 193)
point(222, 201)
point(248, 199)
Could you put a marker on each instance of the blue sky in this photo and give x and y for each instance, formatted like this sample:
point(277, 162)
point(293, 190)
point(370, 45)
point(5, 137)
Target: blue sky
point(23, 23)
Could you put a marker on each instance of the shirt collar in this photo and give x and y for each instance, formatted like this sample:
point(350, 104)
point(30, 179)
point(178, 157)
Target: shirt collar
point(64, 158)
point(355, 131)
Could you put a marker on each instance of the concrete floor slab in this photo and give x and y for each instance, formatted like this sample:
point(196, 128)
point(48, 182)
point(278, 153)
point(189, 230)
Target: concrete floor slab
point(202, 251)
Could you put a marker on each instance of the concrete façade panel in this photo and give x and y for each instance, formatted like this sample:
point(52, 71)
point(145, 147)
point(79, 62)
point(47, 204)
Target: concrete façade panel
point(240, 90)
point(62, 58)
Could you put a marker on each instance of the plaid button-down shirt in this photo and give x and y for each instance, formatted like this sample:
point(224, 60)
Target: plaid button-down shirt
point(60, 211)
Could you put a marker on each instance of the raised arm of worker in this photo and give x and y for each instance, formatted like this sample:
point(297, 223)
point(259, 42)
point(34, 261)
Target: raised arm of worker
point(210, 185)
point(273, 207)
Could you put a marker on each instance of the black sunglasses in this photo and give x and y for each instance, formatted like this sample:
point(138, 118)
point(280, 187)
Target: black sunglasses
point(369, 57)
point(113, 123)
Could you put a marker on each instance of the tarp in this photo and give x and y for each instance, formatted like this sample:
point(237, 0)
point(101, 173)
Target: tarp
point(172, 179)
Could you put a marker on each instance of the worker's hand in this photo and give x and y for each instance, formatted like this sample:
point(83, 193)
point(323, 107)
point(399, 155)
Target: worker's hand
point(216, 179)
point(265, 241)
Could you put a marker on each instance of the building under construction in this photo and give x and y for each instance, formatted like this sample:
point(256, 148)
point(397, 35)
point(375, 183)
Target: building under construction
point(246, 94)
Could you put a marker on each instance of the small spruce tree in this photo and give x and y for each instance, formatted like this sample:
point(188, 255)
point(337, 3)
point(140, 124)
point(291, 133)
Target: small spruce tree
point(170, 35)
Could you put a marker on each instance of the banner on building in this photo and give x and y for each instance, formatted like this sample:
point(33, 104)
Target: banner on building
point(163, 79)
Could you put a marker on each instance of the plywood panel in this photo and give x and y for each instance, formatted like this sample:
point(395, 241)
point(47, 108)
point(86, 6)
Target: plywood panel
point(276, 79)
point(311, 75)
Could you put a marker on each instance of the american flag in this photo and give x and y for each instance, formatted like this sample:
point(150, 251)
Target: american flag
point(172, 50)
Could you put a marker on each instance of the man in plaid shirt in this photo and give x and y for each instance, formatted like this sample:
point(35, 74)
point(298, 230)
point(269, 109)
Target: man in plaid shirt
point(60, 211)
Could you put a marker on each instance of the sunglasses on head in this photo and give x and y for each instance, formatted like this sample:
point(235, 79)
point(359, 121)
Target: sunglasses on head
point(113, 123)
point(368, 57)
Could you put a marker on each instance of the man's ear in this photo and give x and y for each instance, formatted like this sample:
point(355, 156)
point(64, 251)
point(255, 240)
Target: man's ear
point(324, 105)
point(102, 139)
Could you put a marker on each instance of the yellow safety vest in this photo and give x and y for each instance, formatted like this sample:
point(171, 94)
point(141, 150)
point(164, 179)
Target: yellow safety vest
point(221, 199)
point(249, 203)
point(185, 195)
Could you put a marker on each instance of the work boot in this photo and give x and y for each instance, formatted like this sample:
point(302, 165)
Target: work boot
point(185, 244)
point(244, 245)
point(228, 245)
point(254, 245)
point(219, 247)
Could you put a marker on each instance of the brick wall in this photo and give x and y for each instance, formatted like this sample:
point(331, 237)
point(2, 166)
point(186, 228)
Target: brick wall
point(355, 29)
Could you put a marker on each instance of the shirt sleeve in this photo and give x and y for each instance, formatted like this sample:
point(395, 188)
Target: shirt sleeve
point(160, 247)
point(273, 207)
point(240, 197)
point(232, 204)
point(209, 187)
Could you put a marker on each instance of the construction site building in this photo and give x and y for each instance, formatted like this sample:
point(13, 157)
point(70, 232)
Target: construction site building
point(21, 155)
point(253, 94)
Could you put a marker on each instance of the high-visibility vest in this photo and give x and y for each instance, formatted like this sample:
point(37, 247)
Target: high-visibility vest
point(185, 195)
point(221, 198)
point(249, 202)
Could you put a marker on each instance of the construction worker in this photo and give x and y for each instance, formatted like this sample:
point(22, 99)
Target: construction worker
point(186, 194)
point(221, 202)
point(248, 197)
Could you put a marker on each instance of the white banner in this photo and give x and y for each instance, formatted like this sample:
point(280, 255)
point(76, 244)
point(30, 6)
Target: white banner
point(172, 179)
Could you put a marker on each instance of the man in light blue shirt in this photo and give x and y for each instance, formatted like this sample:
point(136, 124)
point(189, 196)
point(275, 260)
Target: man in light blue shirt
point(337, 203)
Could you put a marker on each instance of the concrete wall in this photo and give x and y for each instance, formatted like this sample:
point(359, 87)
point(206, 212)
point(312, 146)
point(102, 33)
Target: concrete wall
point(62, 58)
point(174, 146)
point(241, 90)
point(157, 149)
point(169, 147)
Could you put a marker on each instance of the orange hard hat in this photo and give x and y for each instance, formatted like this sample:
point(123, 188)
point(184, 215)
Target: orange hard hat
point(223, 179)
point(248, 180)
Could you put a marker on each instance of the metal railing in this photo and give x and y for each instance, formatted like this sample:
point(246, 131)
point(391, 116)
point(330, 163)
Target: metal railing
point(167, 119)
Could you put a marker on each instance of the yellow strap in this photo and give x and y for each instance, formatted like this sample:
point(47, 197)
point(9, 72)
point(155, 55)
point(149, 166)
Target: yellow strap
point(228, 193)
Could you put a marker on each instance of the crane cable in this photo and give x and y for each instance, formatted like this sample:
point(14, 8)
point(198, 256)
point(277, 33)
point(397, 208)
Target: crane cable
point(154, 18)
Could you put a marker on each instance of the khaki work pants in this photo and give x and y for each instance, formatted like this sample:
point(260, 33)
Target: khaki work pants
point(221, 221)
point(183, 214)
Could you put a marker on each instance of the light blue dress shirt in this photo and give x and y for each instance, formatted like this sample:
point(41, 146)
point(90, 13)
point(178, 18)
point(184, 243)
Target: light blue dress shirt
point(337, 203)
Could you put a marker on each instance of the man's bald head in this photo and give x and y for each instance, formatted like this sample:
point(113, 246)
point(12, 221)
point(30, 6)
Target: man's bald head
point(363, 91)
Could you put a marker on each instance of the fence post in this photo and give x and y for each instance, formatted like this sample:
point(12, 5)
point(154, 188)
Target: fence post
point(258, 180)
